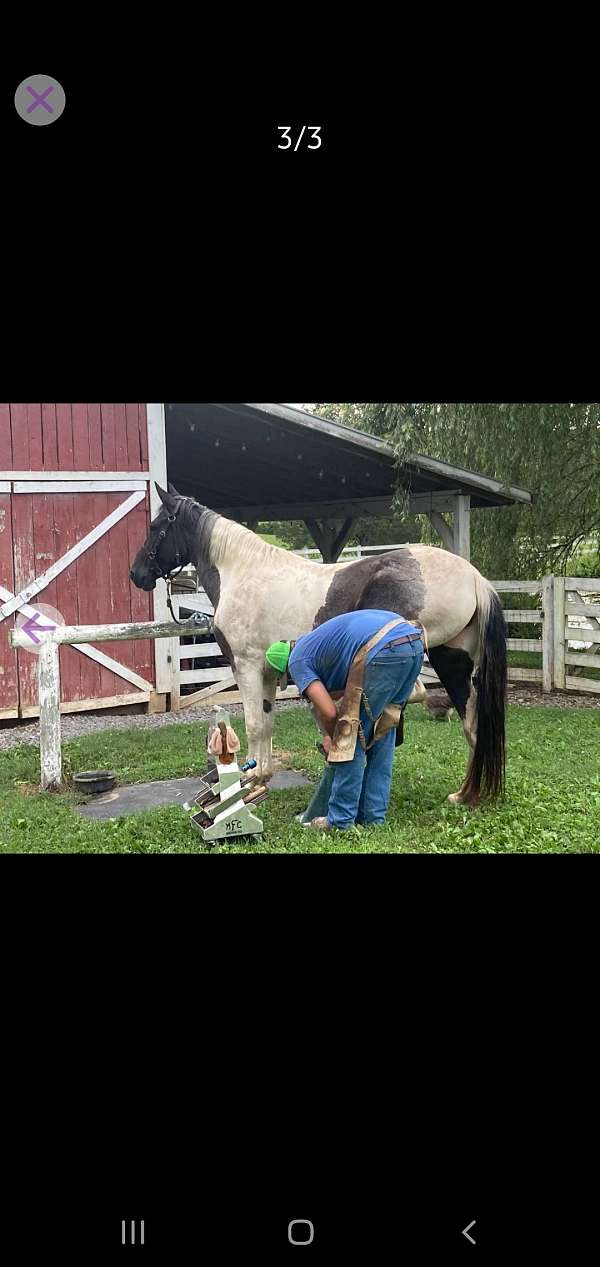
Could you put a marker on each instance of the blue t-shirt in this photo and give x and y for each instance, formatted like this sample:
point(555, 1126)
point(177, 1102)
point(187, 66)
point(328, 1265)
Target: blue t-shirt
point(326, 653)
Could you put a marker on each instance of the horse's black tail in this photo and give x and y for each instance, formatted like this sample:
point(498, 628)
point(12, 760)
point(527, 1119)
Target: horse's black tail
point(486, 769)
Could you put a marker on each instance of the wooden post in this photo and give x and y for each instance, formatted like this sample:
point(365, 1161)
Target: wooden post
point(443, 529)
point(49, 688)
point(547, 633)
point(174, 665)
point(157, 462)
point(341, 538)
point(157, 702)
point(320, 536)
point(329, 541)
point(559, 633)
point(462, 525)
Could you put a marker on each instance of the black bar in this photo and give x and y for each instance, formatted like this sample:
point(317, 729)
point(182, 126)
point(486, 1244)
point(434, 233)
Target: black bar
point(228, 1225)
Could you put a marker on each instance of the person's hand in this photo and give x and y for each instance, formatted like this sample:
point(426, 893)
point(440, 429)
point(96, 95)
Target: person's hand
point(326, 744)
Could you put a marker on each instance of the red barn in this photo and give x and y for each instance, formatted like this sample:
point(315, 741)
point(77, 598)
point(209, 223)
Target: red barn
point(74, 509)
point(76, 496)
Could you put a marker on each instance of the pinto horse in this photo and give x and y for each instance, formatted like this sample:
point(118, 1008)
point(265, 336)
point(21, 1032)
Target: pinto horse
point(261, 593)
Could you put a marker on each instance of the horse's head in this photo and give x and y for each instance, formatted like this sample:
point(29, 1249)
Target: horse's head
point(167, 545)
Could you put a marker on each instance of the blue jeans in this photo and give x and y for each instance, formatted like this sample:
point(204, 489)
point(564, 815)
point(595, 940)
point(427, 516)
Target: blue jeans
point(360, 789)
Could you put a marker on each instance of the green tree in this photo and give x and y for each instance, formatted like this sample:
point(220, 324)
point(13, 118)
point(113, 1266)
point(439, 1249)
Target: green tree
point(369, 531)
point(551, 449)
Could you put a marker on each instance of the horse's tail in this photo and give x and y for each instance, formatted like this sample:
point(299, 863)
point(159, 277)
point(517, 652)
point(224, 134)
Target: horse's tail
point(486, 768)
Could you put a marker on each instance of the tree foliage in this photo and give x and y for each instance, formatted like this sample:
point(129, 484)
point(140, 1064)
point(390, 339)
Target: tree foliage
point(551, 449)
point(370, 531)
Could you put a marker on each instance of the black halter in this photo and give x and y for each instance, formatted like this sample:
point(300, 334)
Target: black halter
point(160, 572)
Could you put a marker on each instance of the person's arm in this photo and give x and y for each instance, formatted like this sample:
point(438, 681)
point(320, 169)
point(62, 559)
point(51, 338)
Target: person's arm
point(320, 697)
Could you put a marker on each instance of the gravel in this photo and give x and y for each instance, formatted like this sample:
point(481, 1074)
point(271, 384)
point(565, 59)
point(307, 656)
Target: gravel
point(529, 696)
point(73, 725)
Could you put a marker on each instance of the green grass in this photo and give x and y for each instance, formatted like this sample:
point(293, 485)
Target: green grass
point(272, 540)
point(552, 802)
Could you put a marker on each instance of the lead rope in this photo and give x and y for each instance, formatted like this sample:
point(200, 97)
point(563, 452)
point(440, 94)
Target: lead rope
point(168, 580)
point(202, 619)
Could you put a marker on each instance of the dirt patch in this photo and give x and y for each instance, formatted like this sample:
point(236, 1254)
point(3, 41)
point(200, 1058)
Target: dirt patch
point(531, 696)
point(282, 760)
point(521, 693)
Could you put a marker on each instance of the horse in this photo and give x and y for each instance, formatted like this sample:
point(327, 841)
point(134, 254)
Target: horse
point(262, 593)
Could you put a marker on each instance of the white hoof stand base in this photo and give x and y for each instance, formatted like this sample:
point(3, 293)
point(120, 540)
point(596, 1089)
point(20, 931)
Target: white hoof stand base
point(228, 795)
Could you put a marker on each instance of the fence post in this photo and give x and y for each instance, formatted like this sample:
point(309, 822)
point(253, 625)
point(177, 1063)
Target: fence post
point(547, 633)
point(559, 632)
point(173, 645)
point(49, 694)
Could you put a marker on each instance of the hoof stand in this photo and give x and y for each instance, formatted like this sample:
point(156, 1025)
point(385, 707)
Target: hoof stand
point(229, 795)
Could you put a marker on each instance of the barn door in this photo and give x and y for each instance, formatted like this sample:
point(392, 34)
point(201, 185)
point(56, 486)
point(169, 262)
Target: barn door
point(9, 682)
point(87, 582)
point(73, 486)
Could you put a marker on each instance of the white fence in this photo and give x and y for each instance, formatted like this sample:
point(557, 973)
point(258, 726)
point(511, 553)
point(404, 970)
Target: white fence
point(49, 676)
point(568, 613)
point(576, 612)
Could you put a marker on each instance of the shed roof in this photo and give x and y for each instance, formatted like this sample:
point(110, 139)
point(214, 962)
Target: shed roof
point(272, 461)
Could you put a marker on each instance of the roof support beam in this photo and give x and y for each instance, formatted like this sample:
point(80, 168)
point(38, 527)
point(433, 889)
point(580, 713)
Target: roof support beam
point(458, 537)
point(328, 538)
point(352, 507)
point(443, 529)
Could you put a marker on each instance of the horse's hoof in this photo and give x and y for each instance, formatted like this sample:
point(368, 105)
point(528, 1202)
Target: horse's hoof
point(457, 798)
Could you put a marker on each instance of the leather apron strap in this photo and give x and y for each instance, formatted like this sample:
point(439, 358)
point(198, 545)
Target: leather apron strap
point(346, 731)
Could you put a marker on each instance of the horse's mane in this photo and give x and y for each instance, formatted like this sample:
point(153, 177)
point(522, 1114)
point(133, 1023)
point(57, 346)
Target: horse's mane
point(228, 538)
point(245, 546)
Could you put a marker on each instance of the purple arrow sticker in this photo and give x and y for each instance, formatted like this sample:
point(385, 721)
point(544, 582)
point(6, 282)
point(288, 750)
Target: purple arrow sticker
point(31, 626)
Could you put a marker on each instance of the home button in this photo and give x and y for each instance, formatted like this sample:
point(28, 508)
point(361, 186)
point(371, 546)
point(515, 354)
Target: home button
point(301, 1232)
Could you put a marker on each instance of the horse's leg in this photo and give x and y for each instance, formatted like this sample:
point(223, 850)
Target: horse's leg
point(269, 692)
point(418, 694)
point(250, 680)
point(454, 663)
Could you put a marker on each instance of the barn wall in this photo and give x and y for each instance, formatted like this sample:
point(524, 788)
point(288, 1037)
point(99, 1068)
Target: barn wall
point(9, 696)
point(38, 528)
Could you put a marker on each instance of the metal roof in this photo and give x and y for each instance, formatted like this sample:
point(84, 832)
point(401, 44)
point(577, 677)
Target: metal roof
point(272, 461)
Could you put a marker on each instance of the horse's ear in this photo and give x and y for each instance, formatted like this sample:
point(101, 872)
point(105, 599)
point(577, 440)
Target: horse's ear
point(173, 490)
point(167, 499)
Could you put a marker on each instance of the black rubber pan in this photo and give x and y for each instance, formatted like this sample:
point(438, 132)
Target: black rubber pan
point(94, 781)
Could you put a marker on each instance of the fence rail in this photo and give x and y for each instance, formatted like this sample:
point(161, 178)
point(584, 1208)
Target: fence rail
point(568, 614)
point(49, 675)
point(569, 617)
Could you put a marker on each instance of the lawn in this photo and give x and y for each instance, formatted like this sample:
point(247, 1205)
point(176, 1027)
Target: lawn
point(552, 802)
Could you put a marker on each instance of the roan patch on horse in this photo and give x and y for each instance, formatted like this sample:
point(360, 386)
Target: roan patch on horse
point(261, 593)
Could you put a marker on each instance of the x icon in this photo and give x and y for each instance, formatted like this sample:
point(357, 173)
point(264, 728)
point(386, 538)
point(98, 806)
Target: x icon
point(39, 100)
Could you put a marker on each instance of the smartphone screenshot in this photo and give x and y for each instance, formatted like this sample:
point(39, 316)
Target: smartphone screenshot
point(299, 701)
